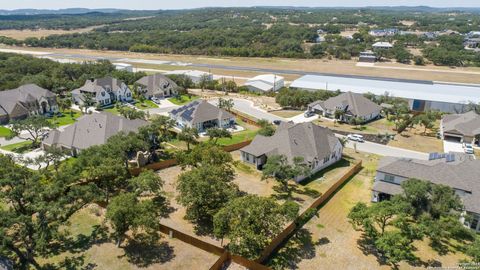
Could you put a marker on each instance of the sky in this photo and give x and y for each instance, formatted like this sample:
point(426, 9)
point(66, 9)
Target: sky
point(185, 4)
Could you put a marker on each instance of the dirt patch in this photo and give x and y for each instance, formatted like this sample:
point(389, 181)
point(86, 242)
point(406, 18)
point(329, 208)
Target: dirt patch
point(264, 102)
point(286, 113)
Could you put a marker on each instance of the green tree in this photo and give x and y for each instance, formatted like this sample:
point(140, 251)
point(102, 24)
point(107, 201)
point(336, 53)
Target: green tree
point(283, 170)
point(204, 191)
point(206, 154)
point(38, 203)
point(36, 126)
point(266, 128)
point(126, 212)
point(395, 247)
point(239, 222)
point(87, 102)
point(226, 104)
point(131, 113)
point(204, 80)
point(189, 136)
point(217, 133)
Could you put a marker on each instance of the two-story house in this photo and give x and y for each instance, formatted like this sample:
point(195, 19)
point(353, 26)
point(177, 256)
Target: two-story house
point(103, 91)
point(156, 85)
point(28, 99)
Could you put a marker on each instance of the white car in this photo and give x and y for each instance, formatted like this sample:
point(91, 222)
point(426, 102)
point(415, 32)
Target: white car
point(355, 137)
point(468, 148)
point(156, 100)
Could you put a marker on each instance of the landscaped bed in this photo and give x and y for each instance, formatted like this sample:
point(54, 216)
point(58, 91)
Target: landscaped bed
point(183, 99)
point(147, 104)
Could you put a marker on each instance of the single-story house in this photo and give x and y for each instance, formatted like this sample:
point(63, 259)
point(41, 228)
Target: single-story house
point(317, 145)
point(265, 83)
point(156, 85)
point(195, 75)
point(202, 115)
point(28, 99)
point(461, 127)
point(104, 91)
point(458, 171)
point(89, 130)
point(382, 45)
point(421, 95)
point(352, 105)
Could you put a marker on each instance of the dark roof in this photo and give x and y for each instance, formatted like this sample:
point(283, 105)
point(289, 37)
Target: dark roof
point(305, 140)
point(9, 99)
point(92, 129)
point(355, 104)
point(200, 111)
point(466, 124)
point(461, 174)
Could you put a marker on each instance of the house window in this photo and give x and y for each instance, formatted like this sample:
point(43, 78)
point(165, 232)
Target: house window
point(389, 178)
point(474, 223)
point(326, 159)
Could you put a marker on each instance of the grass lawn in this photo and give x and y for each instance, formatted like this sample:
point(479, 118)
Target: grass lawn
point(184, 99)
point(238, 137)
point(66, 119)
point(112, 110)
point(20, 147)
point(147, 104)
point(4, 132)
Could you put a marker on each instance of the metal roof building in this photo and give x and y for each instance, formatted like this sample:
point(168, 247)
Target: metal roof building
point(422, 95)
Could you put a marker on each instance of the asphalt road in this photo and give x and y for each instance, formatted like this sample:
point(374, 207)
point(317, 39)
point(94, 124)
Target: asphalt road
point(228, 67)
point(246, 107)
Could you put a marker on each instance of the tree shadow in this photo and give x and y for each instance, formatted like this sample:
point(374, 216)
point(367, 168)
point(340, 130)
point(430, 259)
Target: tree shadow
point(298, 248)
point(81, 242)
point(367, 247)
point(144, 254)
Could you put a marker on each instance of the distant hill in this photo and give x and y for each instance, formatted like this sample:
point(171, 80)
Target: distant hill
point(58, 11)
point(74, 11)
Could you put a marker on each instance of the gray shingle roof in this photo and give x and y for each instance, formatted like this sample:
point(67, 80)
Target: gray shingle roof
point(462, 174)
point(200, 111)
point(93, 129)
point(305, 140)
point(356, 104)
point(9, 99)
point(99, 85)
point(155, 82)
point(466, 124)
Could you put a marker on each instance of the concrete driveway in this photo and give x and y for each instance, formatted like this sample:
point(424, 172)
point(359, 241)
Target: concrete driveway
point(302, 119)
point(247, 107)
point(451, 146)
point(164, 107)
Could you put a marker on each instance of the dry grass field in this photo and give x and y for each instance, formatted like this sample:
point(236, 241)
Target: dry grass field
point(94, 251)
point(392, 70)
point(328, 240)
point(23, 34)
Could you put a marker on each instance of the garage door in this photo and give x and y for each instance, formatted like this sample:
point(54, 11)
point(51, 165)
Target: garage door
point(452, 139)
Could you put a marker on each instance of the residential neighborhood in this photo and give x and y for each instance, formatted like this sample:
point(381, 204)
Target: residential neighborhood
point(168, 136)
